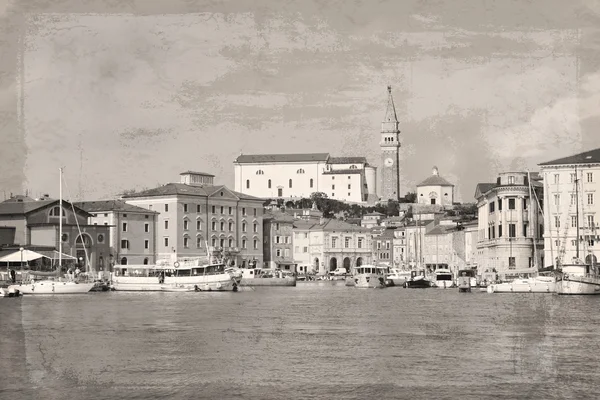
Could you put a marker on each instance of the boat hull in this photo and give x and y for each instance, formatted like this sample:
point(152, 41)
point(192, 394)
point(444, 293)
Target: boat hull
point(443, 284)
point(369, 281)
point(221, 282)
point(418, 284)
point(52, 287)
point(575, 287)
point(537, 287)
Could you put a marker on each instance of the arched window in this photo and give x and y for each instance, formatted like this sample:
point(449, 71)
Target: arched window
point(300, 171)
point(260, 172)
point(290, 183)
point(353, 167)
point(124, 261)
point(269, 183)
point(311, 182)
point(146, 261)
point(247, 183)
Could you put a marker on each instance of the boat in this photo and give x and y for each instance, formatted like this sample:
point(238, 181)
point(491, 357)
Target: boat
point(397, 277)
point(10, 292)
point(180, 288)
point(578, 277)
point(538, 284)
point(465, 280)
point(157, 278)
point(418, 281)
point(56, 285)
point(266, 277)
point(442, 278)
point(369, 276)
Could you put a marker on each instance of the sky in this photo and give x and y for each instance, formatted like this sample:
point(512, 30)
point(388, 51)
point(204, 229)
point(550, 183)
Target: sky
point(128, 98)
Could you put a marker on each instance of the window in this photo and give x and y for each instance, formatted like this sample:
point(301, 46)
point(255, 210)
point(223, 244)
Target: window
point(222, 225)
point(511, 263)
point(186, 242)
point(124, 226)
point(197, 208)
point(300, 171)
point(230, 211)
point(500, 230)
point(186, 225)
point(591, 242)
point(269, 184)
point(557, 199)
point(278, 252)
point(243, 227)
point(511, 180)
point(556, 222)
point(305, 249)
point(556, 179)
point(590, 177)
point(332, 194)
point(222, 210)
point(573, 221)
point(213, 209)
point(146, 227)
point(332, 187)
point(276, 238)
point(185, 208)
point(492, 207)
point(198, 225)
point(55, 212)
point(255, 228)
point(230, 242)
point(360, 243)
point(349, 194)
point(260, 172)
point(124, 215)
point(221, 242)
point(590, 221)
point(590, 198)
point(166, 208)
point(230, 226)
point(166, 224)
point(166, 242)
point(243, 243)
point(243, 210)
point(213, 242)
point(512, 230)
point(277, 226)
point(286, 252)
point(254, 212)
point(573, 199)
point(511, 204)
point(198, 242)
point(525, 230)
point(499, 204)
point(146, 216)
point(125, 244)
point(524, 204)
point(146, 244)
point(311, 182)
point(333, 242)
point(213, 225)
point(247, 183)
point(346, 242)
point(255, 244)
point(290, 183)
point(572, 177)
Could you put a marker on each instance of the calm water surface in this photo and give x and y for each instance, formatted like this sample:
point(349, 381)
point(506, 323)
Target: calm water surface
point(315, 341)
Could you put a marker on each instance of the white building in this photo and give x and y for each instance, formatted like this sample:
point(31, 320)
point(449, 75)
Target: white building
point(435, 190)
point(510, 224)
point(349, 179)
point(572, 188)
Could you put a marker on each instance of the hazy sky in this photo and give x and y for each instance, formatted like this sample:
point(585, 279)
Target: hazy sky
point(129, 101)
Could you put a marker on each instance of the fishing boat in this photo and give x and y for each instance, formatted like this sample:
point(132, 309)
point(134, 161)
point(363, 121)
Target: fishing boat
point(369, 276)
point(465, 280)
point(397, 277)
point(442, 278)
point(418, 281)
point(538, 284)
point(578, 277)
point(56, 284)
point(161, 278)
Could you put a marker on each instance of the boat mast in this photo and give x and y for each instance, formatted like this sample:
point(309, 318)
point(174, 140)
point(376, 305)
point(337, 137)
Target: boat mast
point(577, 214)
point(60, 216)
point(535, 263)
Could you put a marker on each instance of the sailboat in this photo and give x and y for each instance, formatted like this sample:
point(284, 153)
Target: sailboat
point(578, 277)
point(535, 283)
point(60, 285)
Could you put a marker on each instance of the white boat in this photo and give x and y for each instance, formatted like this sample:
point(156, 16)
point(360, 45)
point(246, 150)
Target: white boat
point(369, 276)
point(141, 278)
point(442, 278)
point(397, 277)
point(55, 285)
point(6, 292)
point(178, 288)
point(266, 277)
point(538, 284)
point(578, 278)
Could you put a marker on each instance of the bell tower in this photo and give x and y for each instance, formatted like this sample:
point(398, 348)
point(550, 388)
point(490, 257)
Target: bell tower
point(390, 152)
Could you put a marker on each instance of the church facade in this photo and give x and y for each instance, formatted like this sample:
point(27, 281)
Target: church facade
point(288, 176)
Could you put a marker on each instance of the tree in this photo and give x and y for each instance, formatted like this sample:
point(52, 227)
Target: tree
point(411, 197)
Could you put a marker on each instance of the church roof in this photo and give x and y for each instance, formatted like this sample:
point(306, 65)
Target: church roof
point(435, 180)
point(281, 158)
point(345, 171)
point(347, 160)
point(588, 157)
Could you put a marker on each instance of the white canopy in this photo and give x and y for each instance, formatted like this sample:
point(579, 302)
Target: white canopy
point(28, 255)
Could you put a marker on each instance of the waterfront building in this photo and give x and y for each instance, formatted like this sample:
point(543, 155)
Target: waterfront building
point(278, 248)
point(323, 246)
point(196, 217)
point(510, 224)
point(390, 152)
point(471, 232)
point(36, 223)
point(349, 179)
point(383, 247)
point(435, 190)
point(572, 188)
point(132, 230)
point(399, 247)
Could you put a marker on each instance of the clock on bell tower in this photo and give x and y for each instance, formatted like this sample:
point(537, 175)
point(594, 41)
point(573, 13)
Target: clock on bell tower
point(390, 153)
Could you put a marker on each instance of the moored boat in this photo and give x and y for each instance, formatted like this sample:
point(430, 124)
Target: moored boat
point(266, 277)
point(578, 278)
point(397, 277)
point(418, 281)
point(369, 276)
point(538, 284)
point(10, 292)
point(442, 278)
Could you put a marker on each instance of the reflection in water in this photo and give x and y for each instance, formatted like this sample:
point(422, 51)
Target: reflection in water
point(309, 341)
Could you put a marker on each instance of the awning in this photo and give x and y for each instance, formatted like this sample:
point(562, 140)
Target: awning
point(54, 255)
point(27, 255)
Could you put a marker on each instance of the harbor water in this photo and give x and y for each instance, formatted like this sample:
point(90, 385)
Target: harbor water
point(318, 340)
